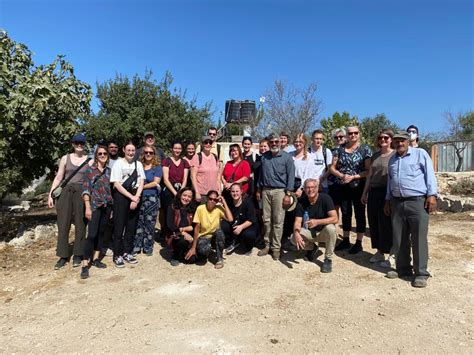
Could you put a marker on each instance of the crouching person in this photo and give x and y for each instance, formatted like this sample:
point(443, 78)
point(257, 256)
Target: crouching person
point(314, 223)
point(207, 232)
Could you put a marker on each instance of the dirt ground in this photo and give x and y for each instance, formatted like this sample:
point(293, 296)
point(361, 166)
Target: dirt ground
point(252, 305)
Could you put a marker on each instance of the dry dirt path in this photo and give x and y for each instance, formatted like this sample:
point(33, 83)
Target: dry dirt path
point(252, 305)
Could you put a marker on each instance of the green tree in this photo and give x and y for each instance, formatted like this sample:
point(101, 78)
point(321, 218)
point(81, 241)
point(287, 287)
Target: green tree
point(39, 111)
point(371, 126)
point(130, 107)
point(337, 120)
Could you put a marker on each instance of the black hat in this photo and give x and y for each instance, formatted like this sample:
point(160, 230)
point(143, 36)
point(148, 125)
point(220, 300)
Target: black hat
point(413, 127)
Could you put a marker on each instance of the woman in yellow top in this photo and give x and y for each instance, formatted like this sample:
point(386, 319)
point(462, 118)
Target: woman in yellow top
point(207, 231)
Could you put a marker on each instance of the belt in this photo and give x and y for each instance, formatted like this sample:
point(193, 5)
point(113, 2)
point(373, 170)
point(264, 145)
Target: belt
point(410, 198)
point(272, 188)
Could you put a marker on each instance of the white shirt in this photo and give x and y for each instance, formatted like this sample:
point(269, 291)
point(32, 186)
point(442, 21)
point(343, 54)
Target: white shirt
point(304, 169)
point(319, 163)
point(122, 169)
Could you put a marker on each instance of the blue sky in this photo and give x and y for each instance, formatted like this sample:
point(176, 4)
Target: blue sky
point(409, 59)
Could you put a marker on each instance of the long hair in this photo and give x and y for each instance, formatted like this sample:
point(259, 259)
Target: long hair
point(305, 144)
point(236, 146)
point(386, 131)
point(156, 161)
point(96, 160)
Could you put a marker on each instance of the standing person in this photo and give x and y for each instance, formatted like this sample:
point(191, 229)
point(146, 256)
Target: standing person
point(285, 142)
point(414, 135)
point(107, 247)
point(127, 177)
point(373, 196)
point(150, 202)
point(236, 170)
point(263, 147)
point(314, 223)
point(149, 141)
point(190, 152)
point(179, 219)
point(249, 157)
point(339, 135)
point(275, 186)
point(243, 229)
point(411, 196)
point(216, 148)
point(304, 161)
point(70, 205)
point(207, 230)
point(350, 165)
point(205, 170)
point(97, 198)
point(322, 158)
point(175, 173)
point(112, 149)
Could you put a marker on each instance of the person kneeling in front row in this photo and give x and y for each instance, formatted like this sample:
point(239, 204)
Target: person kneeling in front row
point(315, 222)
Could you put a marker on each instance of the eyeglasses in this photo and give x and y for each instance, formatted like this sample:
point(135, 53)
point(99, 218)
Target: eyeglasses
point(212, 134)
point(208, 142)
point(310, 187)
point(149, 153)
point(385, 138)
point(338, 137)
point(102, 154)
point(212, 199)
point(352, 133)
point(276, 141)
point(411, 131)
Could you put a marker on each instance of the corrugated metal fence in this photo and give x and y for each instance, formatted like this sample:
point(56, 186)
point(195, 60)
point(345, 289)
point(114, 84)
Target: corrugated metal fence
point(444, 156)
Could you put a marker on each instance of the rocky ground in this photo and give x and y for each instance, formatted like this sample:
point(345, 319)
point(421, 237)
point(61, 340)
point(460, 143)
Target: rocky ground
point(252, 305)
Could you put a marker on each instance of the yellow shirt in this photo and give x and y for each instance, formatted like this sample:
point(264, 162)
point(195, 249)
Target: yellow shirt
point(209, 222)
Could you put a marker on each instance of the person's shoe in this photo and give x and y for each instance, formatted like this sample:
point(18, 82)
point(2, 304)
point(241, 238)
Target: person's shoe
point(174, 262)
point(420, 282)
point(392, 274)
point(76, 261)
point(84, 272)
point(311, 254)
point(264, 251)
point(356, 248)
point(148, 252)
point(248, 252)
point(219, 264)
point(389, 262)
point(230, 248)
point(62, 262)
point(201, 261)
point(119, 262)
point(129, 258)
point(378, 256)
point(344, 244)
point(107, 252)
point(276, 255)
point(99, 264)
point(327, 266)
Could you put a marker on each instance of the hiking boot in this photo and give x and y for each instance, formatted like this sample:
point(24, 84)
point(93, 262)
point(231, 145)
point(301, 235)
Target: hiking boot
point(356, 248)
point(395, 274)
point(84, 272)
point(344, 244)
point(327, 266)
point(60, 263)
point(419, 282)
point(129, 258)
point(264, 251)
point(76, 261)
point(99, 264)
point(148, 252)
point(230, 248)
point(119, 262)
point(378, 256)
point(311, 254)
point(174, 262)
point(276, 255)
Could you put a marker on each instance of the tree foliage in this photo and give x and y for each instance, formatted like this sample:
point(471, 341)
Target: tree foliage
point(371, 126)
point(289, 109)
point(337, 120)
point(39, 111)
point(130, 107)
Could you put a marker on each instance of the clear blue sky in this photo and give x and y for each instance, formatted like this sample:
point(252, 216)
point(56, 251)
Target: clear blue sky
point(409, 59)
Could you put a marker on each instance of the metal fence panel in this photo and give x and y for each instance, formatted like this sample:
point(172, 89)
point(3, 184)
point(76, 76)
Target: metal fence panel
point(447, 159)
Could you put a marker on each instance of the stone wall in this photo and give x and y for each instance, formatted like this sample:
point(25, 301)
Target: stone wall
point(449, 202)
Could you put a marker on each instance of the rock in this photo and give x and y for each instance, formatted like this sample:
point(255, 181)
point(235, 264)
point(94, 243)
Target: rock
point(16, 209)
point(47, 231)
point(26, 205)
point(453, 203)
point(3, 246)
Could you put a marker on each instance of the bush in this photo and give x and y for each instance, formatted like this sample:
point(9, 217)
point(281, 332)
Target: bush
point(465, 186)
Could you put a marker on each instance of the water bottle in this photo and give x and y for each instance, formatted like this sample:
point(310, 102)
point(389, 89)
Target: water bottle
point(305, 219)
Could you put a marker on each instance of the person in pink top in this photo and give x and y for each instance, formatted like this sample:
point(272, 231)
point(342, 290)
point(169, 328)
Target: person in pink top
point(205, 170)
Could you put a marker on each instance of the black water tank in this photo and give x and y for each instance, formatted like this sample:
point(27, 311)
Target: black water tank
point(240, 111)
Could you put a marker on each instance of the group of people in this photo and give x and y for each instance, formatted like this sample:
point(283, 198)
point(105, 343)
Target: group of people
point(284, 197)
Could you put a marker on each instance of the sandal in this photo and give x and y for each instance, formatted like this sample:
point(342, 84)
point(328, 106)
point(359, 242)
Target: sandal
point(219, 265)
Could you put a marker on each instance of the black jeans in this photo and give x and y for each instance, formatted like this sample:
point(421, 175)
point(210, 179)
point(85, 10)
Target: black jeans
point(380, 224)
point(96, 229)
point(249, 237)
point(203, 247)
point(125, 224)
point(350, 196)
point(180, 247)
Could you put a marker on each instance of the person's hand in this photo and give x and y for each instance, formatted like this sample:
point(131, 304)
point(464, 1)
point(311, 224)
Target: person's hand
point(187, 236)
point(191, 252)
point(198, 196)
point(133, 205)
point(363, 199)
point(50, 201)
point(312, 223)
point(111, 214)
point(238, 229)
point(135, 199)
point(387, 208)
point(88, 213)
point(286, 201)
point(227, 185)
point(430, 204)
point(298, 193)
point(298, 240)
point(258, 195)
point(348, 178)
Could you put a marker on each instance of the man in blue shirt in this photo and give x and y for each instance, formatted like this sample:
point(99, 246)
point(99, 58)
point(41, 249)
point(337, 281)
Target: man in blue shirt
point(276, 181)
point(411, 196)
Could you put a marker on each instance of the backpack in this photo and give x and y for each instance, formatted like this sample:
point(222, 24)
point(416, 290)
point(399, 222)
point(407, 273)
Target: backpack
point(200, 157)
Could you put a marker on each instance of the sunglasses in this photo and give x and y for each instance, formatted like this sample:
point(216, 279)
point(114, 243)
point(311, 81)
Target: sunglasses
point(338, 137)
point(208, 142)
point(102, 154)
point(213, 199)
point(212, 134)
point(275, 142)
point(385, 138)
point(149, 153)
point(352, 133)
point(78, 143)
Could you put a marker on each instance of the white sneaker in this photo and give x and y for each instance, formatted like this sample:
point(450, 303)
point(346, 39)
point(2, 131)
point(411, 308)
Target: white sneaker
point(389, 263)
point(378, 256)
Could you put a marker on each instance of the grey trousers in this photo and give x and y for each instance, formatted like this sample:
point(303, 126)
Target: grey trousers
point(273, 217)
point(327, 235)
point(410, 228)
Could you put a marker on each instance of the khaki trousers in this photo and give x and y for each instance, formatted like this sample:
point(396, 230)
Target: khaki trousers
point(327, 235)
point(273, 217)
